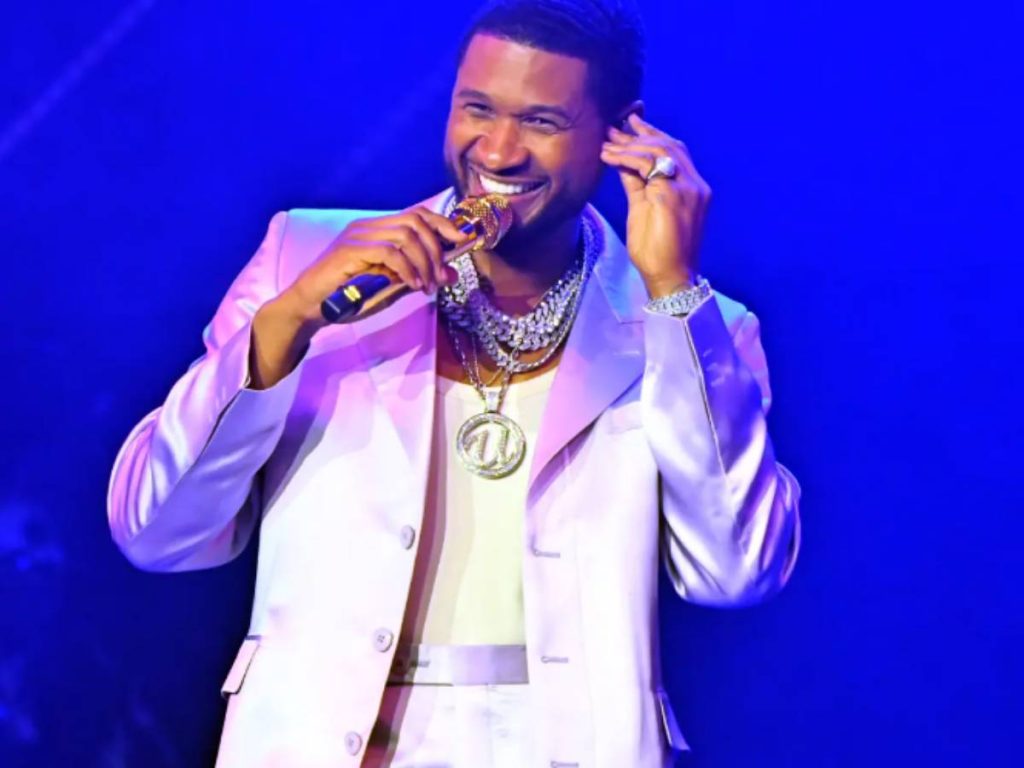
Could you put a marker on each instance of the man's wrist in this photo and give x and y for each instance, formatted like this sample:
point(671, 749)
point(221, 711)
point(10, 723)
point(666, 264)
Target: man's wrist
point(289, 314)
point(682, 302)
point(658, 287)
point(279, 340)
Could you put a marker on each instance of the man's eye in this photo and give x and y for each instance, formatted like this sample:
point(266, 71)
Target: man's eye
point(542, 124)
point(477, 110)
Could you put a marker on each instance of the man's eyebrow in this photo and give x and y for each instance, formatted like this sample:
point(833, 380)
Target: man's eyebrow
point(533, 109)
point(469, 93)
point(548, 109)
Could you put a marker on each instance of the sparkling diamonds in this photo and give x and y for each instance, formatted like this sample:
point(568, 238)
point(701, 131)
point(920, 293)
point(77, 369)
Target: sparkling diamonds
point(503, 336)
point(492, 445)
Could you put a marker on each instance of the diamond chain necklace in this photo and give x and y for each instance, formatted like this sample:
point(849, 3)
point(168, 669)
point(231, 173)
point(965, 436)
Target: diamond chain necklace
point(544, 327)
point(491, 444)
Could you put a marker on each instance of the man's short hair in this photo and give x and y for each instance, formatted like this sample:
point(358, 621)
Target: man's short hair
point(607, 34)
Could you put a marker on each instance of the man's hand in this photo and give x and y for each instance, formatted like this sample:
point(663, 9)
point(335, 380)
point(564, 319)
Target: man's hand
point(406, 246)
point(666, 215)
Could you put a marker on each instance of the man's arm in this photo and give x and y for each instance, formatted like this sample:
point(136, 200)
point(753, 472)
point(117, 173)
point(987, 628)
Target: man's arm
point(731, 528)
point(181, 495)
point(731, 521)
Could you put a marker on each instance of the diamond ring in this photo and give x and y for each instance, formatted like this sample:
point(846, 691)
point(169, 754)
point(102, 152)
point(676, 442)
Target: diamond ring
point(664, 167)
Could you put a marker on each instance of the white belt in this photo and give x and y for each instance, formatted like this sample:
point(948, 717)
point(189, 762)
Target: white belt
point(459, 665)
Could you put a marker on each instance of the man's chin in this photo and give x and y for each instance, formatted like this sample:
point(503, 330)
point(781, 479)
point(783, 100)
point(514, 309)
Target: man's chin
point(534, 228)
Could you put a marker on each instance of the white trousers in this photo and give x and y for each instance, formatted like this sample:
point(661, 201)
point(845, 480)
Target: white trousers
point(453, 726)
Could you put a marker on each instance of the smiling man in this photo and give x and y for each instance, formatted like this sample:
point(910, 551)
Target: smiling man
point(462, 499)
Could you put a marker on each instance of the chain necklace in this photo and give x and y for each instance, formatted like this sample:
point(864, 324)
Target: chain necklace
point(469, 306)
point(491, 444)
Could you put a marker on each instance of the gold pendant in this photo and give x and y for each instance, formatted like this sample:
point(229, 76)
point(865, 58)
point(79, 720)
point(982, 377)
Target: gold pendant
point(490, 445)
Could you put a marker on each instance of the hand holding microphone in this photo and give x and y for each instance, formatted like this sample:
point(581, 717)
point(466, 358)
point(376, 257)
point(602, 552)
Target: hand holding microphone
point(386, 256)
point(479, 222)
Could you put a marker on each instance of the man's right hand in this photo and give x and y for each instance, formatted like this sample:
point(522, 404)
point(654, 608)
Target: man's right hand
point(406, 246)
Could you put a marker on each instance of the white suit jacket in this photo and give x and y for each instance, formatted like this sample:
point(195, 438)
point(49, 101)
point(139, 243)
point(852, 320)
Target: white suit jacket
point(653, 443)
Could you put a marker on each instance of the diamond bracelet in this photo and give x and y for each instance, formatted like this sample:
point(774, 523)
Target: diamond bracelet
point(683, 302)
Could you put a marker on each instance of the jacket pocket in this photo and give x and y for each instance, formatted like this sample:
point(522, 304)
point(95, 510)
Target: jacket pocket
point(673, 733)
point(243, 660)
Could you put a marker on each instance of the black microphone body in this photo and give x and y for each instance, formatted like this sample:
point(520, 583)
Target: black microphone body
point(486, 219)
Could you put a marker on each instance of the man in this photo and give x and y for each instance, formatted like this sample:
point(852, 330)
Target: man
point(462, 498)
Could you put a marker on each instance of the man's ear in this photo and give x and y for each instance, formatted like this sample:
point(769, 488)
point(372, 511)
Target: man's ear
point(636, 107)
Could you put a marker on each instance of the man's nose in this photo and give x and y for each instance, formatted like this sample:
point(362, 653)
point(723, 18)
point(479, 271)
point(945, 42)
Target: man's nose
point(500, 146)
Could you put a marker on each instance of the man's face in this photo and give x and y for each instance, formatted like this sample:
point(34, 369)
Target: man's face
point(523, 124)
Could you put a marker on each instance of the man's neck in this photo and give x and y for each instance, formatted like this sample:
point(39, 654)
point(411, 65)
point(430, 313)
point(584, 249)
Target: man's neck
point(517, 276)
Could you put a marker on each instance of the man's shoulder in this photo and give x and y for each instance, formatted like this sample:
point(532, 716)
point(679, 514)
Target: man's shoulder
point(314, 228)
point(338, 218)
point(313, 222)
point(307, 232)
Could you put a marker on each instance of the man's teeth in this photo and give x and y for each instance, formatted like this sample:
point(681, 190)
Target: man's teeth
point(493, 187)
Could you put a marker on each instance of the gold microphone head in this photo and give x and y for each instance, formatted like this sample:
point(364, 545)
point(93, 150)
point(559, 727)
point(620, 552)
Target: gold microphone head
point(490, 216)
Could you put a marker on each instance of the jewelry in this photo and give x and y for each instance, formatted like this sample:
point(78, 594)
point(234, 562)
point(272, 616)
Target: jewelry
point(473, 442)
point(664, 167)
point(544, 327)
point(683, 302)
point(491, 444)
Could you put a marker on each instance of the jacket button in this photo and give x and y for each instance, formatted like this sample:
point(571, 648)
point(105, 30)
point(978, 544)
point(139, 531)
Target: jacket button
point(407, 536)
point(382, 639)
point(353, 742)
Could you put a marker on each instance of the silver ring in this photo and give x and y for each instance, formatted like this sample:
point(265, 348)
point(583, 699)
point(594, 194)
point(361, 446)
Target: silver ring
point(664, 167)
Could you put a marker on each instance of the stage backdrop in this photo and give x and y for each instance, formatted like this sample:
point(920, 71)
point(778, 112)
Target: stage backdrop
point(865, 167)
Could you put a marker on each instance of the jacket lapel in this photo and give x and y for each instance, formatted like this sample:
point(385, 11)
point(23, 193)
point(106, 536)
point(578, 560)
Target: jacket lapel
point(603, 355)
point(399, 346)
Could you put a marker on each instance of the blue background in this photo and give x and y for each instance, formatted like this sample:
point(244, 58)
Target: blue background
point(866, 167)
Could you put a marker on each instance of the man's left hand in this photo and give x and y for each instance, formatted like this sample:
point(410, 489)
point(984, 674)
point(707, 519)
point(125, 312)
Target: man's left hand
point(666, 215)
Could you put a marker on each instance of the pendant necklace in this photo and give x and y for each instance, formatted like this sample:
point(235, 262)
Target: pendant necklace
point(490, 444)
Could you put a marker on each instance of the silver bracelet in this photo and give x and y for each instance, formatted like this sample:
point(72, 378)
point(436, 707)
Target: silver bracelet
point(682, 303)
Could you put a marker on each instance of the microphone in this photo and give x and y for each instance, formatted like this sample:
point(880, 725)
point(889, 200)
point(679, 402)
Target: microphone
point(486, 218)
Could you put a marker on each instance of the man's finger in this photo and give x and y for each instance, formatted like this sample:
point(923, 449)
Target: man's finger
point(632, 180)
point(427, 228)
point(643, 128)
point(431, 244)
point(393, 258)
point(441, 224)
point(656, 146)
point(642, 163)
point(419, 253)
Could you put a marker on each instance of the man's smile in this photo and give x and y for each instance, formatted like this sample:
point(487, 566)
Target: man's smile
point(481, 183)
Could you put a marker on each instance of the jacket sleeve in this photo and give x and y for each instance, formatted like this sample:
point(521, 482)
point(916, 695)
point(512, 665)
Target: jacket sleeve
point(182, 494)
point(730, 529)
